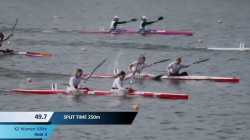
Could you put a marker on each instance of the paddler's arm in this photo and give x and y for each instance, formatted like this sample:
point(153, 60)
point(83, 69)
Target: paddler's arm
point(169, 69)
point(11, 34)
point(185, 66)
point(120, 88)
point(130, 67)
point(122, 22)
point(85, 77)
point(128, 76)
point(147, 23)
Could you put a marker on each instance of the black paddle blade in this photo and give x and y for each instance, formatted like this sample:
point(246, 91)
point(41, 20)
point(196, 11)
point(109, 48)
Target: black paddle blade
point(157, 78)
point(160, 18)
point(134, 19)
point(201, 61)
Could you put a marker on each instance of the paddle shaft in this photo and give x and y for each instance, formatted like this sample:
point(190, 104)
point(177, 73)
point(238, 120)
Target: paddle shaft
point(94, 70)
point(158, 62)
point(13, 28)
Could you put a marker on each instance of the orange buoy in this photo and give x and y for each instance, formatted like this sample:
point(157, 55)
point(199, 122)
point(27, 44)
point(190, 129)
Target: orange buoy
point(29, 79)
point(219, 21)
point(200, 41)
point(84, 49)
point(136, 107)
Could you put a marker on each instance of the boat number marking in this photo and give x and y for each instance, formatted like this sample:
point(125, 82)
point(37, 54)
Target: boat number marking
point(139, 76)
point(22, 52)
point(160, 31)
point(139, 92)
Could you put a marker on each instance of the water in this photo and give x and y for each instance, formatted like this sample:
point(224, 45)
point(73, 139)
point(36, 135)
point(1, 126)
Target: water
point(213, 111)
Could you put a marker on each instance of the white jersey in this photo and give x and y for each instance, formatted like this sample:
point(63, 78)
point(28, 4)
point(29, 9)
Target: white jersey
point(118, 83)
point(74, 82)
point(112, 25)
point(140, 66)
point(174, 68)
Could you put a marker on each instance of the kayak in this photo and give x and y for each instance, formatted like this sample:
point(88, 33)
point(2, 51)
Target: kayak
point(230, 49)
point(36, 54)
point(241, 48)
point(189, 77)
point(105, 93)
point(158, 32)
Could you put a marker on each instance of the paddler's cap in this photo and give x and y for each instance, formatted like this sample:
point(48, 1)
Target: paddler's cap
point(178, 58)
point(116, 17)
point(144, 17)
point(122, 73)
point(79, 70)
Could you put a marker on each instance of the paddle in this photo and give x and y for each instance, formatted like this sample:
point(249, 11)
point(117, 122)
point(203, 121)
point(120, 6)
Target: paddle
point(13, 29)
point(116, 71)
point(158, 62)
point(75, 92)
point(159, 76)
point(133, 20)
point(94, 71)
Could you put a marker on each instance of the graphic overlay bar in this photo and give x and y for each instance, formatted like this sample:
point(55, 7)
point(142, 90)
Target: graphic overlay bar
point(93, 118)
point(40, 125)
point(26, 131)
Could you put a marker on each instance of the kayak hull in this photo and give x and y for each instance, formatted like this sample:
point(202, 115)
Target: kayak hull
point(190, 77)
point(106, 93)
point(159, 32)
point(230, 49)
point(35, 54)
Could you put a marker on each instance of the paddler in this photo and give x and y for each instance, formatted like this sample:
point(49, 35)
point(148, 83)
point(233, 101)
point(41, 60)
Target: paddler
point(174, 68)
point(115, 22)
point(144, 24)
point(138, 66)
point(117, 87)
point(75, 80)
point(4, 50)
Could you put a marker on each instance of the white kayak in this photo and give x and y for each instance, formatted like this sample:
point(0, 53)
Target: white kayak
point(241, 48)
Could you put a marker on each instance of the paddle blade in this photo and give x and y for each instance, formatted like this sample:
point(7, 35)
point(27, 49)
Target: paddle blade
point(134, 19)
point(201, 61)
point(157, 78)
point(38, 54)
point(160, 18)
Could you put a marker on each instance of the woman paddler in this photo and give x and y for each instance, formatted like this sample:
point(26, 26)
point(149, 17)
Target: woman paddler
point(174, 68)
point(144, 24)
point(75, 80)
point(138, 66)
point(1, 42)
point(117, 87)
